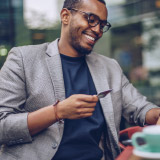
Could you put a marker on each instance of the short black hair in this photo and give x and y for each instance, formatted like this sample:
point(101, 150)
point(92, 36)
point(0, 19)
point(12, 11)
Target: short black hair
point(76, 3)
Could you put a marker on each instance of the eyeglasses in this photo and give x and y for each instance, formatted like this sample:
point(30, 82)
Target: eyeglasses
point(94, 20)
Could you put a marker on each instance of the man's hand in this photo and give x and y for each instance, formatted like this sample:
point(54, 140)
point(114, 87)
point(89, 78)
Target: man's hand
point(74, 107)
point(77, 106)
point(152, 116)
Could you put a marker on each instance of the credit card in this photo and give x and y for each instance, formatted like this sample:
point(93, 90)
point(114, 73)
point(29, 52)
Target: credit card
point(103, 94)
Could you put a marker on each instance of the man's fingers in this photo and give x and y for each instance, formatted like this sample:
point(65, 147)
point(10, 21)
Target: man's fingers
point(87, 98)
point(83, 104)
point(77, 106)
point(85, 110)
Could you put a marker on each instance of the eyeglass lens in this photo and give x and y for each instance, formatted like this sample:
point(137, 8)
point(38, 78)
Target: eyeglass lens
point(94, 20)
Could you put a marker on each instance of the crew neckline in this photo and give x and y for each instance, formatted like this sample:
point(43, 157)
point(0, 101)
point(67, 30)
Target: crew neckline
point(72, 59)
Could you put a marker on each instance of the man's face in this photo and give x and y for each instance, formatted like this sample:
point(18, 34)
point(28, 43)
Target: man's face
point(82, 37)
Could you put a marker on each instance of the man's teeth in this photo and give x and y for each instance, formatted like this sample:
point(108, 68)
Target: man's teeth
point(91, 38)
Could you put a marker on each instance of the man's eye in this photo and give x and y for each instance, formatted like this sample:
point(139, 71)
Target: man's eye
point(92, 19)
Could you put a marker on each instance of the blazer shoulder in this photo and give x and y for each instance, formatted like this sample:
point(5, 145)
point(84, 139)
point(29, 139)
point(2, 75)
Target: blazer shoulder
point(30, 49)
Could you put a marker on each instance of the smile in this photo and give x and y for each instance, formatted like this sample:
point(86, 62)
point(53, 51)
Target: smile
point(90, 38)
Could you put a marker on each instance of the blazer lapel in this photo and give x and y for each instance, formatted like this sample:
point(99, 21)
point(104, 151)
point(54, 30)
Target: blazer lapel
point(101, 84)
point(55, 69)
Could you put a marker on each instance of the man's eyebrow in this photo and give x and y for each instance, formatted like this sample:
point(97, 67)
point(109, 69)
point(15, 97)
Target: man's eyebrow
point(97, 16)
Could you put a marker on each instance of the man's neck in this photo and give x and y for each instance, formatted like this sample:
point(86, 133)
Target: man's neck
point(66, 49)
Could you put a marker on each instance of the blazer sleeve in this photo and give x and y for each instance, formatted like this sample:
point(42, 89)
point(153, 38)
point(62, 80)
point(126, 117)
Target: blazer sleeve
point(13, 117)
point(135, 105)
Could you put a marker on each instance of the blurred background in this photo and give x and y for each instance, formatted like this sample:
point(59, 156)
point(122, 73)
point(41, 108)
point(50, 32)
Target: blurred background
point(134, 39)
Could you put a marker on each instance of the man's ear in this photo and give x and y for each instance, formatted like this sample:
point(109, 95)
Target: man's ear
point(65, 16)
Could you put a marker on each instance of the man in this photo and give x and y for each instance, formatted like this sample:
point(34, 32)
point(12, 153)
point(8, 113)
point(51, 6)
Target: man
point(48, 103)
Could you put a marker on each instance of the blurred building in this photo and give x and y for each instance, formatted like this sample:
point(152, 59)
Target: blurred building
point(12, 29)
point(7, 23)
point(15, 31)
point(135, 43)
point(7, 29)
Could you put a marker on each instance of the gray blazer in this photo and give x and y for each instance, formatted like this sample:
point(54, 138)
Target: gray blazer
point(32, 78)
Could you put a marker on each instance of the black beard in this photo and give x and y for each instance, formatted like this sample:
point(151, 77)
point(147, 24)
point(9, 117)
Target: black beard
point(81, 50)
point(75, 43)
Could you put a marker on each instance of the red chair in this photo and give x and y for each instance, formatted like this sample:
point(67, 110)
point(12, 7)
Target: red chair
point(127, 134)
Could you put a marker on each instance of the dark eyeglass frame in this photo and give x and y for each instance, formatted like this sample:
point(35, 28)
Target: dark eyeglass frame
point(104, 24)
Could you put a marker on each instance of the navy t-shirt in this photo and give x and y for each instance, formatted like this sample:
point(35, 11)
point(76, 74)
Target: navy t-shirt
point(81, 137)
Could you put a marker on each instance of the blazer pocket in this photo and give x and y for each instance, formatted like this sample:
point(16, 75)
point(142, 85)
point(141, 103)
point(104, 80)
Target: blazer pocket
point(11, 152)
point(7, 156)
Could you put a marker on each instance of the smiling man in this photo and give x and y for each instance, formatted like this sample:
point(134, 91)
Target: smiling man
point(81, 29)
point(49, 108)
